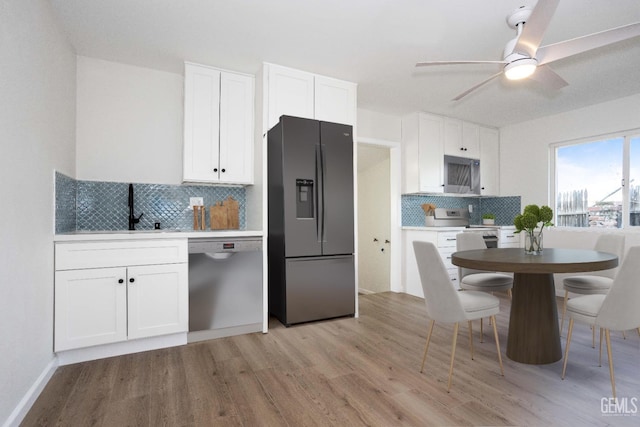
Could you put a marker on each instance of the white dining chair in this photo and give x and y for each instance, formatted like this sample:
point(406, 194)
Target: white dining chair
point(599, 282)
point(615, 311)
point(480, 280)
point(445, 304)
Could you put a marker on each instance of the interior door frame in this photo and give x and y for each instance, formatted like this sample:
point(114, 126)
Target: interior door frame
point(395, 260)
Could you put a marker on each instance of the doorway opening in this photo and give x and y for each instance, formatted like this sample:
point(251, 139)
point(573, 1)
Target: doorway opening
point(378, 206)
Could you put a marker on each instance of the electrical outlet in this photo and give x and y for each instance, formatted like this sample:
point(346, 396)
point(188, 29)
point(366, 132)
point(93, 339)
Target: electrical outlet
point(196, 201)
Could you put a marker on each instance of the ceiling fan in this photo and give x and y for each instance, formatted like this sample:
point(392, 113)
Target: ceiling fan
point(524, 57)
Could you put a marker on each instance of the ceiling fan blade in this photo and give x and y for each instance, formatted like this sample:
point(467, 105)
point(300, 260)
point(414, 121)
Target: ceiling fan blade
point(468, 91)
point(548, 78)
point(429, 63)
point(535, 27)
point(572, 47)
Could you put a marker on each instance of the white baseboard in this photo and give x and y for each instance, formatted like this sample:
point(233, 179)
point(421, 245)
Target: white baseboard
point(365, 291)
point(31, 395)
point(117, 349)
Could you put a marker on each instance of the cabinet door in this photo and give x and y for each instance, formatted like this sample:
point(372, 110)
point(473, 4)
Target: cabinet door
point(158, 300)
point(201, 124)
point(335, 100)
point(236, 129)
point(290, 93)
point(431, 157)
point(90, 307)
point(489, 160)
point(471, 140)
point(453, 138)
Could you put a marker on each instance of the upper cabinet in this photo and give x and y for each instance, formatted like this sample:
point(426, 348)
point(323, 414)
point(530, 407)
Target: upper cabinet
point(427, 138)
point(298, 93)
point(461, 139)
point(423, 153)
point(489, 161)
point(218, 126)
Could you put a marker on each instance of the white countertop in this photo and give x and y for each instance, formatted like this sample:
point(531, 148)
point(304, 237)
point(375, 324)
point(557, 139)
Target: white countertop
point(473, 228)
point(151, 234)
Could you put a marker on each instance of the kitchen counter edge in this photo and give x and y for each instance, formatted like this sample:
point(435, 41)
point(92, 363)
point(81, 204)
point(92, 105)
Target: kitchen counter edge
point(152, 234)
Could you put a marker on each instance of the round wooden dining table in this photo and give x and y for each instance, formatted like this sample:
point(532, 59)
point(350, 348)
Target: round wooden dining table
point(534, 337)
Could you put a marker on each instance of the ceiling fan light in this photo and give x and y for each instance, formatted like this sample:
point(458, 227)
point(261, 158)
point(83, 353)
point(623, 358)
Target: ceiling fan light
point(520, 69)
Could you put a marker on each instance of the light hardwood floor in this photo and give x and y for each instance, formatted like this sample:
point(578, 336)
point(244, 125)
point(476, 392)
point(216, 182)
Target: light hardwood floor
point(344, 372)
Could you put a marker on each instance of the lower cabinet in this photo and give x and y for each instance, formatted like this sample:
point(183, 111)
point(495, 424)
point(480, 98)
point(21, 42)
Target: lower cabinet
point(96, 306)
point(509, 239)
point(444, 240)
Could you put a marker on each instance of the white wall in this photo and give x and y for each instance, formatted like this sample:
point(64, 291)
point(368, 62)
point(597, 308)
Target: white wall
point(129, 123)
point(524, 147)
point(37, 110)
point(376, 125)
point(373, 218)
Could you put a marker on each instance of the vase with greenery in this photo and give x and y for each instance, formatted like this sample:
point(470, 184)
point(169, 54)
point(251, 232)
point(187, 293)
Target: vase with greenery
point(488, 218)
point(532, 221)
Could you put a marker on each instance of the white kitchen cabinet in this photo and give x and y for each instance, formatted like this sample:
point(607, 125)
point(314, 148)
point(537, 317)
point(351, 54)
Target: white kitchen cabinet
point(335, 100)
point(90, 307)
point(445, 241)
point(290, 93)
point(461, 139)
point(301, 94)
point(114, 299)
point(489, 161)
point(509, 239)
point(218, 126)
point(422, 153)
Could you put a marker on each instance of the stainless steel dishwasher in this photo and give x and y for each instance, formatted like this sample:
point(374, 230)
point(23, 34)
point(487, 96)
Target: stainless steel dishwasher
point(225, 287)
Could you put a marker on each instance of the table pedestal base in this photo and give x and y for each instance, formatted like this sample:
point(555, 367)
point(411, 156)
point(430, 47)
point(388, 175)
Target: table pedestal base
point(534, 337)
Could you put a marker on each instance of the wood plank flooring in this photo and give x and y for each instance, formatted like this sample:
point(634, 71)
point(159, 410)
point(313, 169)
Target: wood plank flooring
point(344, 372)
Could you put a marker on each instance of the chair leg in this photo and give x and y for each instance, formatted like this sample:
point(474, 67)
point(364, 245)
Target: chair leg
point(593, 336)
point(639, 332)
point(453, 354)
point(471, 339)
point(564, 309)
point(613, 379)
point(481, 331)
point(495, 334)
point(509, 294)
point(624, 336)
point(566, 350)
point(426, 348)
point(600, 358)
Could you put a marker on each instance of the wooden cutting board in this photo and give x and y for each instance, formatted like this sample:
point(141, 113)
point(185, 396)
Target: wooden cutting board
point(218, 217)
point(233, 213)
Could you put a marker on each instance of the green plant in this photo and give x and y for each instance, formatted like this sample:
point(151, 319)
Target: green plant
point(488, 216)
point(528, 221)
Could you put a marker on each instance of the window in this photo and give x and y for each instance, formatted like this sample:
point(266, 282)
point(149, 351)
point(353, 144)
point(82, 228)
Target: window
point(591, 183)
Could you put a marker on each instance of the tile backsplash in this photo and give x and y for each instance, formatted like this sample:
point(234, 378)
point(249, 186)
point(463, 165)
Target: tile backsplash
point(97, 205)
point(504, 208)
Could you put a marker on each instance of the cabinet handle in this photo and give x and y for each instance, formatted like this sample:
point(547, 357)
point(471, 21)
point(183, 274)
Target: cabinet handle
point(461, 148)
point(223, 170)
point(215, 169)
point(451, 240)
point(131, 280)
point(482, 188)
point(120, 280)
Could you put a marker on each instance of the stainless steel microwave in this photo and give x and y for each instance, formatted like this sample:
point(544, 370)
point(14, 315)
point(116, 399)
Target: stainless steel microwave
point(461, 175)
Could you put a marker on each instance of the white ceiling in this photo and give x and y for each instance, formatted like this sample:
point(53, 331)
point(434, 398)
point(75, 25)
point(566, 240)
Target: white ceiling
point(375, 43)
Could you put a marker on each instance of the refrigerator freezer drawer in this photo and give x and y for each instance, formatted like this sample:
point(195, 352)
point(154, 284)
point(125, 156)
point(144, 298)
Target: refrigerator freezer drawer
point(319, 288)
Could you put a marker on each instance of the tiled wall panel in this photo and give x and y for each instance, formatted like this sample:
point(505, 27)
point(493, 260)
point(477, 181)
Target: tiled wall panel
point(101, 205)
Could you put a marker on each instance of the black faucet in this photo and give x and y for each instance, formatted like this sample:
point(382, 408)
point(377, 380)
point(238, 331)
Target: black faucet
point(132, 218)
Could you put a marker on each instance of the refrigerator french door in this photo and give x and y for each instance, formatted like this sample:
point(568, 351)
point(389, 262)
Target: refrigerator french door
point(311, 208)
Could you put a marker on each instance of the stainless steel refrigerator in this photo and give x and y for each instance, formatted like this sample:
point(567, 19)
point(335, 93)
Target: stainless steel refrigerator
point(310, 236)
